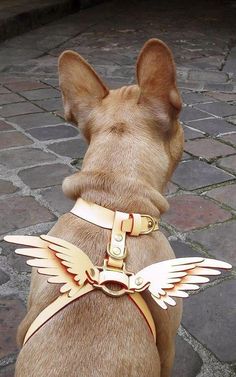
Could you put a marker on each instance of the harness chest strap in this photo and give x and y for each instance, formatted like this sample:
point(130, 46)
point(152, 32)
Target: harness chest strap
point(63, 300)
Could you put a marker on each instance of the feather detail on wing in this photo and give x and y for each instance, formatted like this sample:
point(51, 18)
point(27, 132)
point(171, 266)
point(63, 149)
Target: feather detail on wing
point(65, 263)
point(172, 278)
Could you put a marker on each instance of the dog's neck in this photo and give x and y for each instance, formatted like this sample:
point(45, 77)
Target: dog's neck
point(115, 192)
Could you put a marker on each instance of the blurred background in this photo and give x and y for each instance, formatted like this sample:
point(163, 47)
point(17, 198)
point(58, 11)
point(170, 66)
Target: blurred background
point(38, 149)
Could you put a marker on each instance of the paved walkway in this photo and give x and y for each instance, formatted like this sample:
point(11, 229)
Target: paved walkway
point(37, 150)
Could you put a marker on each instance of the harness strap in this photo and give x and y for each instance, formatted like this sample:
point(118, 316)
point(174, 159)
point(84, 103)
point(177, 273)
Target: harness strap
point(116, 249)
point(63, 300)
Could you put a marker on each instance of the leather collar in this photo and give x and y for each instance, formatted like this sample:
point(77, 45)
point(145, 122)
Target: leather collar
point(134, 224)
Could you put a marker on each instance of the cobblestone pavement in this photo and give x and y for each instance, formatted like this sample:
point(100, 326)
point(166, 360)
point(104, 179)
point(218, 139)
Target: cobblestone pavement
point(37, 150)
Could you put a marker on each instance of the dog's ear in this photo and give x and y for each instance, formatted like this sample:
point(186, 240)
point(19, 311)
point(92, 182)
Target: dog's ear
point(156, 75)
point(81, 87)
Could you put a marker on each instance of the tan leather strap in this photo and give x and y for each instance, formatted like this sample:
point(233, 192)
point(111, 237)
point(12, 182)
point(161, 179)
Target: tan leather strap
point(63, 300)
point(133, 224)
point(141, 304)
point(116, 249)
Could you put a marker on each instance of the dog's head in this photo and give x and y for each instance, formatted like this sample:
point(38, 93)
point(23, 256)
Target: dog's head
point(134, 130)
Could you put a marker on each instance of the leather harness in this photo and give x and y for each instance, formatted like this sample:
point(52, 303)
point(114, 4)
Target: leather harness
point(120, 224)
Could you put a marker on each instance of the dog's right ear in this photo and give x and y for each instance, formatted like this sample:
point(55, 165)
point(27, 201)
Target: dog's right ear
point(81, 87)
point(156, 75)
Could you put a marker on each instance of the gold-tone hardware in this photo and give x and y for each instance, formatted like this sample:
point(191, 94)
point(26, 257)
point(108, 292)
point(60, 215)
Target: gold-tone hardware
point(113, 293)
point(118, 237)
point(139, 281)
point(116, 252)
point(108, 275)
point(152, 224)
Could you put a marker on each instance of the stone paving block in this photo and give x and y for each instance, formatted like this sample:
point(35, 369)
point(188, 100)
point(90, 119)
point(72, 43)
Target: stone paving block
point(7, 371)
point(10, 98)
point(230, 138)
point(5, 126)
point(35, 120)
point(52, 104)
point(188, 212)
point(222, 96)
point(13, 139)
point(20, 212)
point(193, 85)
point(71, 148)
point(3, 277)
point(54, 132)
point(17, 262)
point(187, 361)
point(18, 109)
point(190, 133)
point(191, 98)
point(41, 94)
point(13, 56)
point(171, 188)
point(224, 194)
point(231, 119)
point(190, 113)
point(196, 174)
point(51, 81)
point(228, 87)
point(214, 321)
point(218, 240)
point(45, 176)
point(20, 86)
point(186, 157)
point(209, 76)
point(11, 313)
point(4, 90)
point(212, 126)
point(37, 40)
point(183, 250)
point(57, 200)
point(208, 148)
point(218, 108)
point(228, 163)
point(16, 158)
point(7, 187)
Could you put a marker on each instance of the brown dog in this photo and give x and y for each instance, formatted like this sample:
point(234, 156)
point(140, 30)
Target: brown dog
point(135, 143)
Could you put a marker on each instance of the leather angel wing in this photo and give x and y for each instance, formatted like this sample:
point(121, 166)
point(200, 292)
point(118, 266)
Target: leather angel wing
point(172, 278)
point(65, 263)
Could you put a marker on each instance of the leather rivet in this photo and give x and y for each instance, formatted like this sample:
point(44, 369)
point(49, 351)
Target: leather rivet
point(118, 237)
point(116, 250)
point(139, 280)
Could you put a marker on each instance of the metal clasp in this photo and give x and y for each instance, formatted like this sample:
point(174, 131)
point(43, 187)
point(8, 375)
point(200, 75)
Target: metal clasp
point(111, 275)
point(152, 224)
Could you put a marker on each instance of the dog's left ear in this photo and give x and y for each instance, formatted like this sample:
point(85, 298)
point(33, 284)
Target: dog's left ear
point(81, 87)
point(156, 75)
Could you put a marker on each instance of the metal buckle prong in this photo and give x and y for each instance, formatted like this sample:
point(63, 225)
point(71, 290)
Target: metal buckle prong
point(152, 223)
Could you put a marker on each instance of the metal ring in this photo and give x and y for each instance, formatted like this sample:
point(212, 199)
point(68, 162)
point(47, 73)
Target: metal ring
point(112, 293)
point(152, 227)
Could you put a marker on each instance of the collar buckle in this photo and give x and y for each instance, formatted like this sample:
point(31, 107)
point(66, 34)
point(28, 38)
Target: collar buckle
point(152, 224)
